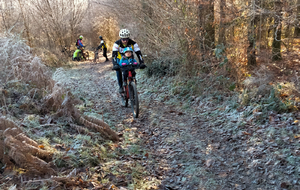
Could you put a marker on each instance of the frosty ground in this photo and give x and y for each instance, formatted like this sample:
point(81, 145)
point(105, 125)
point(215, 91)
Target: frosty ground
point(197, 143)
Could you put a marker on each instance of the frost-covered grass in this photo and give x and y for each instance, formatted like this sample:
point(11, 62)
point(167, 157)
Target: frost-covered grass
point(257, 122)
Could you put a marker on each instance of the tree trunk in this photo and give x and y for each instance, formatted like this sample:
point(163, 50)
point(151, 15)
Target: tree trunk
point(276, 45)
point(251, 37)
point(297, 28)
point(206, 18)
point(222, 39)
point(25, 23)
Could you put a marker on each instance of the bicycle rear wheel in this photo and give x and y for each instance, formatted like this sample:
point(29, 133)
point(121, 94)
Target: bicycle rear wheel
point(134, 100)
point(96, 57)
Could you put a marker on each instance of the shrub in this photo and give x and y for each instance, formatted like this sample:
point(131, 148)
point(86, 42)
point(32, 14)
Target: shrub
point(160, 68)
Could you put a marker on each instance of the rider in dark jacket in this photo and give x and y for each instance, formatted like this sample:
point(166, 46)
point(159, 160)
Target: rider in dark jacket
point(104, 47)
point(118, 52)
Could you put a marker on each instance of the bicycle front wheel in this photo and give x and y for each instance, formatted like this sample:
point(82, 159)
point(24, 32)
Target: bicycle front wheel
point(134, 100)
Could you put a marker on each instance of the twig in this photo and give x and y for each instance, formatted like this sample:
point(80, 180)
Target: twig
point(38, 180)
point(33, 95)
point(49, 125)
point(5, 104)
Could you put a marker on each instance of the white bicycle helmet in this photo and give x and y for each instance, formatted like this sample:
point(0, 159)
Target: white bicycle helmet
point(124, 33)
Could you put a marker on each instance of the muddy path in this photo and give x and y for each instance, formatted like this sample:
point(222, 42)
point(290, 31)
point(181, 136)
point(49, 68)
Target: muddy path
point(175, 146)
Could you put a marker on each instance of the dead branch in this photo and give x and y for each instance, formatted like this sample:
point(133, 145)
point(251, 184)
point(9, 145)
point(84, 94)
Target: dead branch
point(104, 127)
point(23, 150)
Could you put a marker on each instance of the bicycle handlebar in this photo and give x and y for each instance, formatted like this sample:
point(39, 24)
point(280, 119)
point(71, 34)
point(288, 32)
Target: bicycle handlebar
point(130, 67)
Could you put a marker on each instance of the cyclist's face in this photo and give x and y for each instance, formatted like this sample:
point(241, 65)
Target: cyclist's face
point(124, 41)
point(128, 53)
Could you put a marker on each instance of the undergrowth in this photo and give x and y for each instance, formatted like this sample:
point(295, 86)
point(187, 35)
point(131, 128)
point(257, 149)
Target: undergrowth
point(163, 67)
point(258, 97)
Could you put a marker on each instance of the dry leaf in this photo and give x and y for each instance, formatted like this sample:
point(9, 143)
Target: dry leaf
point(209, 162)
point(112, 187)
point(223, 174)
point(271, 119)
point(296, 136)
point(66, 157)
point(284, 95)
point(146, 155)
point(67, 149)
point(245, 133)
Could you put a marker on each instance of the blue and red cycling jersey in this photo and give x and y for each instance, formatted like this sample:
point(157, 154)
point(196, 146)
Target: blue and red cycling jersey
point(127, 61)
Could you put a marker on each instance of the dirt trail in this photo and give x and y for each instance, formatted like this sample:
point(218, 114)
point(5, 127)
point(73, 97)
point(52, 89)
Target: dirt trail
point(201, 147)
point(159, 127)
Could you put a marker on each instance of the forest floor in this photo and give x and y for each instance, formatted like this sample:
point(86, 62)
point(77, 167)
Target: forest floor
point(194, 144)
point(209, 142)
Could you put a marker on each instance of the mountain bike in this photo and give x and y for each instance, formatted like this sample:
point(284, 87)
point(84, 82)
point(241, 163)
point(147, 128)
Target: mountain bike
point(96, 53)
point(130, 90)
point(82, 55)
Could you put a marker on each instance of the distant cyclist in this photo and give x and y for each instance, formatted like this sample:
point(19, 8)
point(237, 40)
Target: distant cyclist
point(79, 46)
point(118, 52)
point(104, 47)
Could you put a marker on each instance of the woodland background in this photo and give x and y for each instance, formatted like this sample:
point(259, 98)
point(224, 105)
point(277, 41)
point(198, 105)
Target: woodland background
point(230, 65)
point(225, 40)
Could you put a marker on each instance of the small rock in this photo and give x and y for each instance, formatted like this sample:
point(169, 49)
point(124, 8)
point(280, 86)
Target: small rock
point(209, 162)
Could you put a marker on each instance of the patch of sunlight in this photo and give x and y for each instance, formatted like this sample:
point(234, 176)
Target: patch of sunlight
point(254, 163)
point(209, 149)
point(251, 150)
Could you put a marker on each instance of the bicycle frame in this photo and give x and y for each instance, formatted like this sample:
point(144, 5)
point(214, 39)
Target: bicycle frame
point(131, 93)
point(130, 79)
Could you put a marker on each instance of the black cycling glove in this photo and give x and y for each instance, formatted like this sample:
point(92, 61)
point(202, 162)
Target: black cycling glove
point(143, 66)
point(116, 65)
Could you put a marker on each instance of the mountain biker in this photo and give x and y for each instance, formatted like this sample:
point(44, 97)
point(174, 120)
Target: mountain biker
point(118, 52)
point(79, 46)
point(103, 46)
point(128, 59)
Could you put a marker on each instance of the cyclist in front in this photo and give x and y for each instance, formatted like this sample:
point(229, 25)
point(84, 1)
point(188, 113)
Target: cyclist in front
point(118, 52)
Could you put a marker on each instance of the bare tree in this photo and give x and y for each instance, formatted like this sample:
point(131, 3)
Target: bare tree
point(276, 46)
point(297, 28)
point(9, 15)
point(58, 19)
point(25, 22)
point(251, 50)
point(222, 39)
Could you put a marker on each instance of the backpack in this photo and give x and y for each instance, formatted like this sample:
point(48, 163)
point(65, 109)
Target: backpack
point(76, 44)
